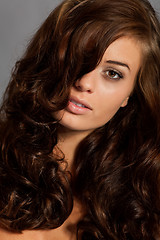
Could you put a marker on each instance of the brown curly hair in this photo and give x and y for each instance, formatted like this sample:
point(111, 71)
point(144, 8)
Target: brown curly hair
point(116, 167)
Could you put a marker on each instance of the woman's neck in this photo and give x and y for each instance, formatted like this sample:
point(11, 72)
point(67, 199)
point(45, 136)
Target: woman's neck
point(68, 141)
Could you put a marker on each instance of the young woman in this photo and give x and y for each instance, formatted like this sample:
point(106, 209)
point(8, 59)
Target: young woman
point(80, 127)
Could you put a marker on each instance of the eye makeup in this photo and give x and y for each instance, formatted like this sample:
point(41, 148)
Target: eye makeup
point(113, 74)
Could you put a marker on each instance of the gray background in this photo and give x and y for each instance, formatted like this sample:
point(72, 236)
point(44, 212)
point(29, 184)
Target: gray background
point(19, 19)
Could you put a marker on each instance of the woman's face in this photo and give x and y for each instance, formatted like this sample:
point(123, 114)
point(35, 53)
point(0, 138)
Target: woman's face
point(98, 95)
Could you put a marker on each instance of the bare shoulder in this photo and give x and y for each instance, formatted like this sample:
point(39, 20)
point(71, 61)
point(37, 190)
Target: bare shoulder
point(56, 234)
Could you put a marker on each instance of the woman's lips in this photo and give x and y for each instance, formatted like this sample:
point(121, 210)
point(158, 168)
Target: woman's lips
point(77, 106)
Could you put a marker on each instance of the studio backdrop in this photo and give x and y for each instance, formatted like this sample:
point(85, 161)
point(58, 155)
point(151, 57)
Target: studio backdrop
point(19, 19)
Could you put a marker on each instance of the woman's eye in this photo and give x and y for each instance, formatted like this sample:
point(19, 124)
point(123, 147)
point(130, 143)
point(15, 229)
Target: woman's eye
point(112, 74)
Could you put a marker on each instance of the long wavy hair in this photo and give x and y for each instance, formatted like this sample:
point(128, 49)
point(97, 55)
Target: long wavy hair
point(117, 166)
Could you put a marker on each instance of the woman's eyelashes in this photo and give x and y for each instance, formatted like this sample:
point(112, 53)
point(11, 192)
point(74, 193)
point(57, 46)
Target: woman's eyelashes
point(113, 74)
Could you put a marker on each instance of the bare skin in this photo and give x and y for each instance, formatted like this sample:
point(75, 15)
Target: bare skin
point(68, 142)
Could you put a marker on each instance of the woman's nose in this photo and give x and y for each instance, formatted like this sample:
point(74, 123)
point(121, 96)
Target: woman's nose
point(86, 83)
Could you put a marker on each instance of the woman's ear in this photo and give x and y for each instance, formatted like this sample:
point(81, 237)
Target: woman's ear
point(125, 102)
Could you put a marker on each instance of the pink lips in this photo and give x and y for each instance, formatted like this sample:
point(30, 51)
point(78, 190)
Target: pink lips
point(77, 106)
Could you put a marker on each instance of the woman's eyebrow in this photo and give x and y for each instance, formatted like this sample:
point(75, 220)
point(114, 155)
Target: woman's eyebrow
point(118, 63)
